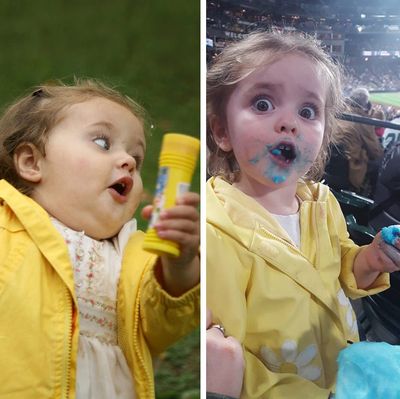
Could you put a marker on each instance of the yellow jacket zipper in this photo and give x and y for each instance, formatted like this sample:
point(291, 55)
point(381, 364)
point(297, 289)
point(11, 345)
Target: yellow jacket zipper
point(136, 345)
point(66, 372)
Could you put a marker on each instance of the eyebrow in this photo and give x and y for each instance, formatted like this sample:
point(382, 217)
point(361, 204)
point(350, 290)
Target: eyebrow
point(106, 124)
point(279, 86)
point(313, 95)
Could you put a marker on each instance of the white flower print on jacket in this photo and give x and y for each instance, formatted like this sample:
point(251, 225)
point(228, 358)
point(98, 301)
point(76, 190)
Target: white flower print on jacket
point(291, 361)
point(350, 317)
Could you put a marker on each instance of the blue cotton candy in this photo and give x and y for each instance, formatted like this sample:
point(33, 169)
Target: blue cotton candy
point(369, 370)
point(391, 234)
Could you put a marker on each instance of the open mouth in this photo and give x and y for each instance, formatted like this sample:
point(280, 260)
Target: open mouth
point(121, 188)
point(284, 153)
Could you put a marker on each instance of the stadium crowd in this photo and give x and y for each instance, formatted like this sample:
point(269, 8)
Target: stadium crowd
point(365, 46)
point(339, 25)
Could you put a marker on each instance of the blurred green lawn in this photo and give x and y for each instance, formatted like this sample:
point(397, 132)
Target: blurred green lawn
point(389, 98)
point(150, 50)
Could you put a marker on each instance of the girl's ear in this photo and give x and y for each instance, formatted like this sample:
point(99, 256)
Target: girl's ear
point(27, 162)
point(220, 133)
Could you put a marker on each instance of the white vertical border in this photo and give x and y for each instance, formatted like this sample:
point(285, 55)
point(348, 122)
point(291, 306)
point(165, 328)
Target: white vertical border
point(203, 176)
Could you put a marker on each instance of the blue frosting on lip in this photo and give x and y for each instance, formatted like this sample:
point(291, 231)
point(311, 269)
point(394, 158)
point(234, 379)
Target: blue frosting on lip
point(276, 151)
point(391, 234)
point(278, 179)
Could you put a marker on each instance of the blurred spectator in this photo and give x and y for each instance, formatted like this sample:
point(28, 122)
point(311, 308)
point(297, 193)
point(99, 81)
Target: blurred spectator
point(391, 136)
point(377, 113)
point(355, 161)
point(387, 194)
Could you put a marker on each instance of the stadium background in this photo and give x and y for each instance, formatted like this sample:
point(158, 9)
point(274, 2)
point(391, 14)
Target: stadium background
point(149, 51)
point(364, 36)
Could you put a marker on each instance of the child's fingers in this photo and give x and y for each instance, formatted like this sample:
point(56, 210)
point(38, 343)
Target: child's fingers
point(189, 198)
point(180, 212)
point(180, 237)
point(391, 252)
point(184, 225)
point(146, 212)
point(385, 262)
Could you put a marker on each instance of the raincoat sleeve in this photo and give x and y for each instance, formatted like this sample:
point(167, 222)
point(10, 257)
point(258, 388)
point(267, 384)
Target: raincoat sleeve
point(349, 251)
point(164, 318)
point(144, 306)
point(229, 269)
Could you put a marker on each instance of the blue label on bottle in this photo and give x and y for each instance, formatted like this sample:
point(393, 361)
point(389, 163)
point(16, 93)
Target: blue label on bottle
point(159, 197)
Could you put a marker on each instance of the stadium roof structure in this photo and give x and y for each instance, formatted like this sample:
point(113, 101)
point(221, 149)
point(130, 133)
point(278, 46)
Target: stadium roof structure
point(330, 8)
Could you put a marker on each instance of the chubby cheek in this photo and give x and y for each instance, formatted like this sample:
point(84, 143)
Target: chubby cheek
point(245, 144)
point(249, 151)
point(82, 164)
point(76, 165)
point(136, 194)
point(67, 169)
point(312, 147)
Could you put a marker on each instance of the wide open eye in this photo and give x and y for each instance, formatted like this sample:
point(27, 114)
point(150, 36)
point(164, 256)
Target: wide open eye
point(308, 112)
point(103, 142)
point(263, 104)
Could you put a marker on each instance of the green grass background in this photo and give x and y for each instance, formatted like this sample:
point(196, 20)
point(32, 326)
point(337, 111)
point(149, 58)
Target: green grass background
point(389, 98)
point(149, 50)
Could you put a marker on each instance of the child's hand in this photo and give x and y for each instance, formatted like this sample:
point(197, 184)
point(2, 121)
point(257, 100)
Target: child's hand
point(181, 225)
point(385, 250)
point(225, 361)
point(391, 238)
point(382, 255)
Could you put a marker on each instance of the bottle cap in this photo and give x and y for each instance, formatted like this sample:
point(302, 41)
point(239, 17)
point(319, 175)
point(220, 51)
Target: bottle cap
point(180, 144)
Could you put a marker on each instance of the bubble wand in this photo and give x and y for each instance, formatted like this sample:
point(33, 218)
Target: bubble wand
point(177, 162)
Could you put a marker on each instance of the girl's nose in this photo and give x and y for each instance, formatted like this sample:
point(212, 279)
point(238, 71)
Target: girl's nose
point(286, 124)
point(287, 128)
point(127, 162)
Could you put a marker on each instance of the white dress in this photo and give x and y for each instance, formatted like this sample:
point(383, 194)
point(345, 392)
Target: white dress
point(102, 371)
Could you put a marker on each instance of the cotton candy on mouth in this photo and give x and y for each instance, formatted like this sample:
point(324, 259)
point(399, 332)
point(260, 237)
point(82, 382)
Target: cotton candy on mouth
point(284, 152)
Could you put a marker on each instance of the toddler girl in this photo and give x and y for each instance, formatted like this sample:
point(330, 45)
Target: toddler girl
point(280, 264)
point(82, 307)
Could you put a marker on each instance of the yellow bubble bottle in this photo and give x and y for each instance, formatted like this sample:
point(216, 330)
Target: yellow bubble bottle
point(177, 161)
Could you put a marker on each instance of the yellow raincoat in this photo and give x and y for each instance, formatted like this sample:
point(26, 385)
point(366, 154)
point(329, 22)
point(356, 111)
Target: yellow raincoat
point(287, 306)
point(39, 326)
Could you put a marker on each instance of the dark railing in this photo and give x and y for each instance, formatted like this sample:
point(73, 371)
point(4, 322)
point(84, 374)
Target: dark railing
point(368, 121)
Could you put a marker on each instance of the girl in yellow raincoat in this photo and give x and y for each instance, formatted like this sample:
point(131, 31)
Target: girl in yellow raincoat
point(83, 308)
point(280, 264)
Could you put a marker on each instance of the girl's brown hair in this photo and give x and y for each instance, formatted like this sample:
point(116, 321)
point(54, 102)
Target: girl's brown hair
point(240, 59)
point(32, 117)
